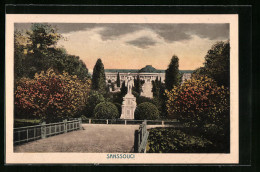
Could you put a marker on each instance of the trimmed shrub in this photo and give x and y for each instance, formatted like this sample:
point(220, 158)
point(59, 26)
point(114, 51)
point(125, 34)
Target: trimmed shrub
point(146, 111)
point(106, 110)
point(93, 100)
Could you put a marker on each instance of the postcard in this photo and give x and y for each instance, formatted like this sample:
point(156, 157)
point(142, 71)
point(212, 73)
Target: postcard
point(121, 89)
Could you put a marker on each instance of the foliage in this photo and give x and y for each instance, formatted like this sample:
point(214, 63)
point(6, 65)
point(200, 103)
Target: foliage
point(119, 108)
point(37, 51)
point(142, 99)
point(113, 86)
point(123, 89)
point(117, 97)
point(198, 102)
point(43, 36)
point(172, 75)
point(118, 80)
point(161, 106)
point(136, 94)
point(51, 96)
point(99, 78)
point(138, 85)
point(106, 110)
point(159, 98)
point(70, 64)
point(20, 42)
point(94, 99)
point(146, 111)
point(171, 140)
point(156, 87)
point(159, 103)
point(83, 118)
point(217, 64)
point(41, 48)
point(199, 71)
point(26, 122)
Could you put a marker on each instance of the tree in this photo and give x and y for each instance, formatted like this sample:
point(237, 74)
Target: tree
point(20, 42)
point(172, 75)
point(217, 63)
point(43, 36)
point(99, 78)
point(138, 85)
point(69, 63)
point(142, 99)
point(199, 71)
point(156, 87)
point(51, 96)
point(199, 102)
point(37, 51)
point(146, 111)
point(43, 40)
point(123, 89)
point(159, 97)
point(203, 105)
point(94, 99)
point(118, 80)
point(106, 110)
point(119, 108)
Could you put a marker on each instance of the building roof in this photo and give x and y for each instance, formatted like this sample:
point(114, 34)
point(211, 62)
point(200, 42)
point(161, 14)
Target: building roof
point(146, 69)
point(122, 70)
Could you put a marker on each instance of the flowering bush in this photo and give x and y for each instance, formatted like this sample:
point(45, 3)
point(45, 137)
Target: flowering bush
point(51, 96)
point(199, 102)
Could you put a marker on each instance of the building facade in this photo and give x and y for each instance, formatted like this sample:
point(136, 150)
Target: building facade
point(148, 74)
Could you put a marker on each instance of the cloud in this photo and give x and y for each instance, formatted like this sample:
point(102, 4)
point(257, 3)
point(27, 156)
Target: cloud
point(168, 32)
point(180, 32)
point(210, 31)
point(113, 31)
point(142, 42)
point(62, 27)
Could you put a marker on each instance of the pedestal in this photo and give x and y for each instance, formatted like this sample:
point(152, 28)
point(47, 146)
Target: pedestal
point(128, 106)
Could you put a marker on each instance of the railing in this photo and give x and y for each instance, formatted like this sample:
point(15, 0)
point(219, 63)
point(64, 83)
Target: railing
point(30, 133)
point(142, 137)
point(131, 122)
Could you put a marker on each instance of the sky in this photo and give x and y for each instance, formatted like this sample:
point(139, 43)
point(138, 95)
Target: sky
point(133, 46)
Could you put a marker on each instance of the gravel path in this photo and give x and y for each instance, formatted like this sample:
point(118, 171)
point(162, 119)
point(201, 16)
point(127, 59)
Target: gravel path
point(98, 138)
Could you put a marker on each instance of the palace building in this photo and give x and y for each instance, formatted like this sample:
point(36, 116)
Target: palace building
point(148, 74)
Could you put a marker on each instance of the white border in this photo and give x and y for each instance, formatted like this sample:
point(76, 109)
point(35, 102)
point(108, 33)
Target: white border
point(83, 158)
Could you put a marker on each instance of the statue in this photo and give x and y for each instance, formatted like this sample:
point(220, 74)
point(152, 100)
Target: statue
point(130, 84)
point(129, 101)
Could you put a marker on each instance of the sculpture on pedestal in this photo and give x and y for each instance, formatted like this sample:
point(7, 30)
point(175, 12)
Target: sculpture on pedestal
point(129, 101)
point(130, 84)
